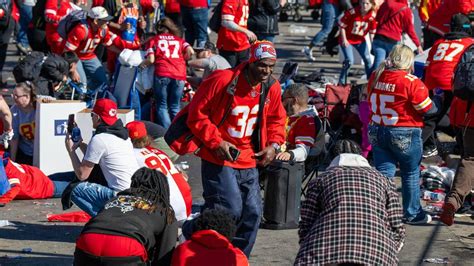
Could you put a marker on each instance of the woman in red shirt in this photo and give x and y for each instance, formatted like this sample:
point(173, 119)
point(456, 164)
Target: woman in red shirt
point(168, 52)
point(354, 26)
point(398, 102)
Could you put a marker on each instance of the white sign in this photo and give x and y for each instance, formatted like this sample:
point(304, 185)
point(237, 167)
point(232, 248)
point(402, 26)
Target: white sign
point(50, 153)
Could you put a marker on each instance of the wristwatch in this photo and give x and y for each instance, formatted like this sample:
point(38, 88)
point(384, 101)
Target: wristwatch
point(277, 147)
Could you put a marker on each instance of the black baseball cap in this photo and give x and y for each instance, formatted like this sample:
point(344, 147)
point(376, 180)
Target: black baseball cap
point(460, 23)
point(207, 46)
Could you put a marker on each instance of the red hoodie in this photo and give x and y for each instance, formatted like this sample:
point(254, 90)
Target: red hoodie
point(209, 248)
point(392, 24)
point(439, 21)
point(207, 109)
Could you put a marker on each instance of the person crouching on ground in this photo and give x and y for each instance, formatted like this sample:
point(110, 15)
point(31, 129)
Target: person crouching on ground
point(210, 243)
point(111, 148)
point(147, 156)
point(135, 228)
point(351, 215)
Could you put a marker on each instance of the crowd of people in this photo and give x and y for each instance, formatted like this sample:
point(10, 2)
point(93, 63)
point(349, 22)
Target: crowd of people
point(238, 121)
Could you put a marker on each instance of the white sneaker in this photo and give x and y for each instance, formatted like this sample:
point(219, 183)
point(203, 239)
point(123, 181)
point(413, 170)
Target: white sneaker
point(309, 53)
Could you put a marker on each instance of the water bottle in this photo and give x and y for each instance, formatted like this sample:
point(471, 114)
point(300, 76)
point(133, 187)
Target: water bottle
point(76, 134)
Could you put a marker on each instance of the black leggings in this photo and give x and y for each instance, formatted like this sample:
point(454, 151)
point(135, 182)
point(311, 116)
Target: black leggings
point(86, 259)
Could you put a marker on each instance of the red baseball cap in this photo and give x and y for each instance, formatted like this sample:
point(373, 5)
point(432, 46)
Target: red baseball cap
point(136, 129)
point(262, 50)
point(106, 109)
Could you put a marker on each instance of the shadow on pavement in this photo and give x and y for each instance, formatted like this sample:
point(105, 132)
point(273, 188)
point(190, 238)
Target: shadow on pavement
point(41, 232)
point(38, 261)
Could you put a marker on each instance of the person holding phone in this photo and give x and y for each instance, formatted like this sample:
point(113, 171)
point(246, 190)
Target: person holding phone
point(231, 152)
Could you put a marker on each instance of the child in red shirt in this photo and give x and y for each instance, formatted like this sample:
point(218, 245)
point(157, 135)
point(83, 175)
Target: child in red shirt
point(168, 52)
point(355, 24)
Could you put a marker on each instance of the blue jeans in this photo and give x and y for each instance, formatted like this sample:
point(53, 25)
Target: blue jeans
point(91, 197)
point(236, 191)
point(380, 50)
point(195, 22)
point(167, 93)
point(403, 146)
point(349, 58)
point(92, 73)
point(61, 181)
point(328, 18)
point(26, 14)
point(268, 37)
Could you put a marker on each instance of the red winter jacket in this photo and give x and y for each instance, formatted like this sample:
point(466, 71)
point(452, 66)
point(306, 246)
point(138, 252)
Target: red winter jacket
point(439, 21)
point(208, 248)
point(392, 25)
point(207, 109)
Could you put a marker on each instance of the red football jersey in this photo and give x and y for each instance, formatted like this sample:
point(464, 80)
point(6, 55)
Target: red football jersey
point(83, 41)
point(180, 191)
point(442, 61)
point(237, 11)
point(398, 99)
point(33, 183)
point(301, 131)
point(239, 125)
point(54, 13)
point(357, 26)
point(169, 60)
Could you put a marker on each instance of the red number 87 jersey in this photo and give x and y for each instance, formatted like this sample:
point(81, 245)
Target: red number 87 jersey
point(180, 191)
point(398, 99)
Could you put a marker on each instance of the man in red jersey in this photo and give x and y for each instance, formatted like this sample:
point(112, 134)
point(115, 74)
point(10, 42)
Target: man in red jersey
point(54, 11)
point(438, 23)
point(83, 39)
point(443, 58)
point(233, 39)
point(195, 14)
point(230, 152)
point(29, 182)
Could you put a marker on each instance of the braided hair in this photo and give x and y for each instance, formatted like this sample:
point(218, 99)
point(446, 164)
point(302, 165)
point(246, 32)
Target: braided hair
point(152, 186)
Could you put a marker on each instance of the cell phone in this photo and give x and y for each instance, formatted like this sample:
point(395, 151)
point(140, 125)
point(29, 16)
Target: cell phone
point(70, 123)
point(234, 153)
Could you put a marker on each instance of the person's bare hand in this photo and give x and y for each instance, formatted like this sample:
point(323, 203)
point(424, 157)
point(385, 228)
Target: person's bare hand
point(75, 76)
point(251, 36)
point(419, 49)
point(345, 43)
point(265, 156)
point(284, 156)
point(223, 150)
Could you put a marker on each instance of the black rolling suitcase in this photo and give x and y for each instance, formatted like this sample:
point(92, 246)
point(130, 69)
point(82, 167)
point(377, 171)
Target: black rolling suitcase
point(282, 195)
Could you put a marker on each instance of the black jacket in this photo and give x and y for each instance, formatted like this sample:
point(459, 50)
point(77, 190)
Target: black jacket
point(120, 218)
point(263, 16)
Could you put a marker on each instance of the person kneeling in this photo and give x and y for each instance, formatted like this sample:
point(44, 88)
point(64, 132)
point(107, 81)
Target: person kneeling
point(134, 228)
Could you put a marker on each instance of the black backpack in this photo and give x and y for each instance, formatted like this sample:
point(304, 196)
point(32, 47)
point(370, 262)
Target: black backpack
point(70, 21)
point(29, 67)
point(38, 20)
point(6, 6)
point(463, 79)
point(216, 18)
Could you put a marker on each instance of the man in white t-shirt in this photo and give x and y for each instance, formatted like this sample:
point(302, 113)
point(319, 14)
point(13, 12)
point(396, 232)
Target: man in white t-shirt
point(112, 149)
point(147, 156)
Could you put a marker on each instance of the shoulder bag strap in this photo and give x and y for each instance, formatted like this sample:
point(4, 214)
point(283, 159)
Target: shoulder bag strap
point(392, 16)
point(257, 133)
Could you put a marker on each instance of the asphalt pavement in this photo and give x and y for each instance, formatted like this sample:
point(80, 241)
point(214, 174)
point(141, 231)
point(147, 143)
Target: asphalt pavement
point(53, 243)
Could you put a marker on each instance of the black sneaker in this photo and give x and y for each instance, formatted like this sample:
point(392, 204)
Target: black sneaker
point(426, 219)
point(430, 151)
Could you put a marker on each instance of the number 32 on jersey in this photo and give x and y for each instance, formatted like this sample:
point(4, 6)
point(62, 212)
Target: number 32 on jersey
point(245, 123)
